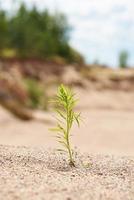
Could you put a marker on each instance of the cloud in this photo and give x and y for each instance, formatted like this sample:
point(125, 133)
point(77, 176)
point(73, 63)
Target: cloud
point(105, 30)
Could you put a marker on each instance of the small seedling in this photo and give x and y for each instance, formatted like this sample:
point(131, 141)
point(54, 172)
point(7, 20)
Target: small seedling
point(65, 102)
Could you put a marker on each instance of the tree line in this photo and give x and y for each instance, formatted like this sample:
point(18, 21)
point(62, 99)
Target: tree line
point(30, 33)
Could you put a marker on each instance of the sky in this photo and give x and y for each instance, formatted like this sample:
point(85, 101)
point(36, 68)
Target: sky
point(101, 28)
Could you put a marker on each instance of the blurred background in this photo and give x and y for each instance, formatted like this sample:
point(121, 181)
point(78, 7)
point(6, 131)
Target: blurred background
point(87, 45)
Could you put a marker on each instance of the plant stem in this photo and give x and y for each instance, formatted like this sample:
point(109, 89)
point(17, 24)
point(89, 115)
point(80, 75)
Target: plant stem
point(71, 162)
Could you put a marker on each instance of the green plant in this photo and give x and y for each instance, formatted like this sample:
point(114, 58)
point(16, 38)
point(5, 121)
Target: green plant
point(35, 92)
point(65, 103)
point(123, 58)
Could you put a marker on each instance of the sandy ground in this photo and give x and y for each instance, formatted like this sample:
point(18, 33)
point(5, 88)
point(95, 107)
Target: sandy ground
point(106, 172)
point(33, 173)
point(108, 125)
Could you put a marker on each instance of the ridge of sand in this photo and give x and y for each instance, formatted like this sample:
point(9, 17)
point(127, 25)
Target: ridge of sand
point(36, 173)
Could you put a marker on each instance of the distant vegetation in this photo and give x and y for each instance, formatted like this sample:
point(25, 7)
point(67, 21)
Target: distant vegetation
point(36, 94)
point(30, 33)
point(123, 59)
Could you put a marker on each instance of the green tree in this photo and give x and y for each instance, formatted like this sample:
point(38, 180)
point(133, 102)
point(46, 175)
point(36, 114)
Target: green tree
point(38, 34)
point(18, 31)
point(123, 58)
point(35, 34)
point(3, 30)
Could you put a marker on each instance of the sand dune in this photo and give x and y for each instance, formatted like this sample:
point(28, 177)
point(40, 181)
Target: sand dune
point(108, 125)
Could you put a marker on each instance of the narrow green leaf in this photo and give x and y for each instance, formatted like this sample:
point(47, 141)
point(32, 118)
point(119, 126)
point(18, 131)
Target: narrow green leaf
point(61, 114)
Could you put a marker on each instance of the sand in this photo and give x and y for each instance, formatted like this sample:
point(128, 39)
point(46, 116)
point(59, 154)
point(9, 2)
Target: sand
point(34, 173)
point(103, 131)
point(106, 172)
